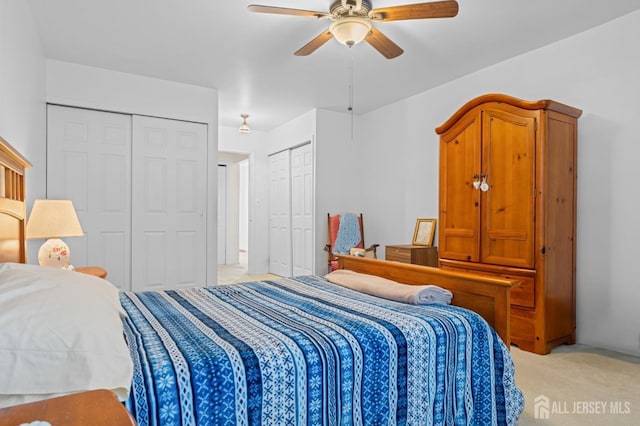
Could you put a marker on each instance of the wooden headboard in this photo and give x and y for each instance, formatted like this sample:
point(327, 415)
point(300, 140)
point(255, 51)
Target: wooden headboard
point(13, 206)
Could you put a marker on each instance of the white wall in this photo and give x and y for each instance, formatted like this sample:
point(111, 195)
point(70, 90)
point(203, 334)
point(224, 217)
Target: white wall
point(89, 87)
point(338, 168)
point(596, 71)
point(22, 99)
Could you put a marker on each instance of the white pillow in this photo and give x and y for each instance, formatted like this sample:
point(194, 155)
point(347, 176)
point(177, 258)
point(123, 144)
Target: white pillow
point(60, 332)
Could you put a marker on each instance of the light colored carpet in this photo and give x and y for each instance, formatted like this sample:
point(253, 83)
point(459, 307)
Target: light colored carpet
point(229, 274)
point(578, 385)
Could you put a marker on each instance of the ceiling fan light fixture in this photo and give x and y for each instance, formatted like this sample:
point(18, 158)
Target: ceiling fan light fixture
point(350, 30)
point(244, 127)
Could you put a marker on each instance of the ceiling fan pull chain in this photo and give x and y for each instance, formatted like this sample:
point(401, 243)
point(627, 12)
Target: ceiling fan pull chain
point(350, 108)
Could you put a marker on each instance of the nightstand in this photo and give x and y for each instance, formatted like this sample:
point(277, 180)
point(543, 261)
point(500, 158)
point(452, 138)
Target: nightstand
point(92, 270)
point(407, 253)
point(97, 408)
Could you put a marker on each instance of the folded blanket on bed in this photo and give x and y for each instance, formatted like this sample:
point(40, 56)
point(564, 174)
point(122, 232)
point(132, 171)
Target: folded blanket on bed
point(389, 289)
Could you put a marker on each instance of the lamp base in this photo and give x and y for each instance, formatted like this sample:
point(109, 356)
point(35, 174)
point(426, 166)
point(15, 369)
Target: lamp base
point(54, 253)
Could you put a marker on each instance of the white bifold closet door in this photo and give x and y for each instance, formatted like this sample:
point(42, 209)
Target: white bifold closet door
point(280, 213)
point(169, 199)
point(139, 186)
point(89, 163)
point(291, 207)
point(302, 210)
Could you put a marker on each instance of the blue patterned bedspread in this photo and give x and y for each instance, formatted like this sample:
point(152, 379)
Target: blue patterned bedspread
point(303, 351)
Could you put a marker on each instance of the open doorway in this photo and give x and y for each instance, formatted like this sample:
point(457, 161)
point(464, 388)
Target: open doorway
point(243, 213)
point(233, 216)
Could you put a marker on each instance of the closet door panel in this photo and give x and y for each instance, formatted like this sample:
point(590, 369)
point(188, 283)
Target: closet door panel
point(222, 214)
point(169, 202)
point(154, 243)
point(280, 213)
point(302, 209)
point(186, 263)
point(89, 162)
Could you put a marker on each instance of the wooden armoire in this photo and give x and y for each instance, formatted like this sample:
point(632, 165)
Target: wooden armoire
point(508, 208)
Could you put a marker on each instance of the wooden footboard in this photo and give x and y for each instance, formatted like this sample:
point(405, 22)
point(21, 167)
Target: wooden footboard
point(487, 296)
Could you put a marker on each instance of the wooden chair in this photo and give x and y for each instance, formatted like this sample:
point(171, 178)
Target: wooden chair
point(333, 226)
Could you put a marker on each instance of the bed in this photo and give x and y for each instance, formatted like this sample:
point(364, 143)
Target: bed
point(298, 350)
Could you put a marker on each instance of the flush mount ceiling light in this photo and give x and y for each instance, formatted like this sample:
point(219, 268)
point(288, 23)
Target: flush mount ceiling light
point(244, 127)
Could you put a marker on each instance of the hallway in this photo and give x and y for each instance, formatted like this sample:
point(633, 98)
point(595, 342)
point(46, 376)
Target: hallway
point(237, 273)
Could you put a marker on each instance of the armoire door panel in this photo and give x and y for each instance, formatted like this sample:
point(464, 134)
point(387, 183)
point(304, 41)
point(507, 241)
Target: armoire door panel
point(508, 165)
point(460, 151)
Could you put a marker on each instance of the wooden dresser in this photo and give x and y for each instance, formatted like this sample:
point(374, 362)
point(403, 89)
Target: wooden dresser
point(508, 208)
point(416, 254)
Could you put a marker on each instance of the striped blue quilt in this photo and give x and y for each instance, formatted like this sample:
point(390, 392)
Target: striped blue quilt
point(303, 351)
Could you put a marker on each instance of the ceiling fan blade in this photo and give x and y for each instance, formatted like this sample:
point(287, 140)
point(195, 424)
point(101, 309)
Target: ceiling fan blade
point(287, 11)
point(311, 47)
point(436, 9)
point(383, 44)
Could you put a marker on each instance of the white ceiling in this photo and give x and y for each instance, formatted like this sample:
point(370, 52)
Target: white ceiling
point(249, 57)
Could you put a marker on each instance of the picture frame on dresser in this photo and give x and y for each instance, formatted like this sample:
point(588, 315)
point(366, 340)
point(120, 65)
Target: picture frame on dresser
point(424, 232)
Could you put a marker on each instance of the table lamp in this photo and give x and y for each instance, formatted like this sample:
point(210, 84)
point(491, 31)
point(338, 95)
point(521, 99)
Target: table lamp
point(52, 219)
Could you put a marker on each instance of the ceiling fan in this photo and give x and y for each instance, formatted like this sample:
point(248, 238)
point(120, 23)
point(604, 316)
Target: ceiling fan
point(352, 22)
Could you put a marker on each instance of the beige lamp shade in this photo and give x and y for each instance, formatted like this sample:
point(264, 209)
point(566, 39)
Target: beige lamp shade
point(52, 219)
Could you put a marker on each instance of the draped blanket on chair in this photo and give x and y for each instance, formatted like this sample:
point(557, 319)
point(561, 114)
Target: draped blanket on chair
point(348, 234)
